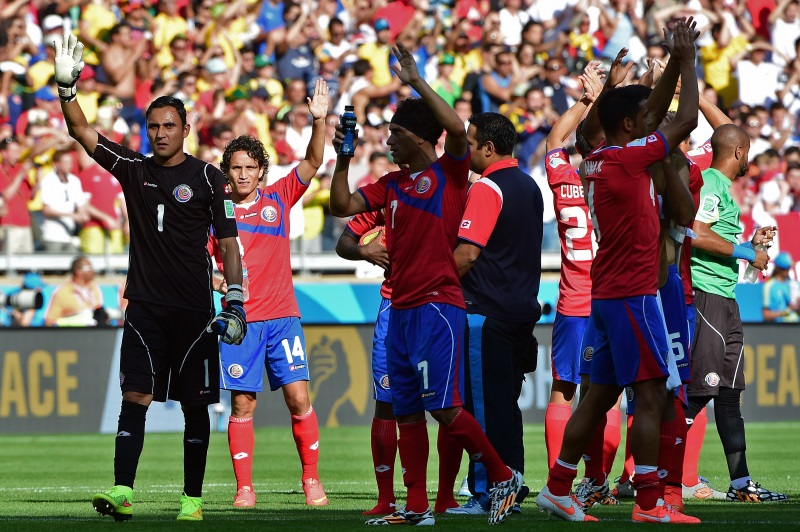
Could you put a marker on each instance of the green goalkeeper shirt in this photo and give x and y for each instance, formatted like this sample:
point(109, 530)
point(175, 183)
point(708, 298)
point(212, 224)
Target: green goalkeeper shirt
point(711, 273)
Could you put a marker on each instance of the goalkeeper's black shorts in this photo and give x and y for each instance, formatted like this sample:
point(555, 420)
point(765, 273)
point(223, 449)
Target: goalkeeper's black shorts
point(167, 352)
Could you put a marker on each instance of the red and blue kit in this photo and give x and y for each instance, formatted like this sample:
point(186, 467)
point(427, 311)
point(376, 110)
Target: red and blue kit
point(423, 212)
point(631, 343)
point(426, 325)
point(358, 226)
point(275, 338)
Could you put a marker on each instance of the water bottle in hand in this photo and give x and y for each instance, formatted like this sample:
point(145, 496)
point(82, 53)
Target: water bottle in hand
point(751, 273)
point(348, 121)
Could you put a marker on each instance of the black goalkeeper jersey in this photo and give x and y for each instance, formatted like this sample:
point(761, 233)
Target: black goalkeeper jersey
point(171, 210)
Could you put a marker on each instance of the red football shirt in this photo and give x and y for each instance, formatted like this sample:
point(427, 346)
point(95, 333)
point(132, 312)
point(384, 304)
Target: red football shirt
point(103, 189)
point(575, 232)
point(625, 216)
point(17, 214)
point(701, 155)
point(263, 228)
point(423, 212)
point(359, 225)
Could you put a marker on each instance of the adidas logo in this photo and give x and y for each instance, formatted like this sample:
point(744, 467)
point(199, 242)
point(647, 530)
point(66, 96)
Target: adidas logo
point(314, 446)
point(123, 433)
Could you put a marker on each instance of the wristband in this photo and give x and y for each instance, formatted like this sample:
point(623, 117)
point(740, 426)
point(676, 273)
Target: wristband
point(66, 92)
point(741, 251)
point(234, 296)
point(748, 245)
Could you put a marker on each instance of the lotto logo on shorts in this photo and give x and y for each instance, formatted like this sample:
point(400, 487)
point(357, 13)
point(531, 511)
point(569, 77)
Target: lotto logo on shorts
point(182, 193)
point(423, 185)
point(235, 371)
point(712, 379)
point(587, 353)
point(431, 393)
point(297, 366)
point(269, 214)
point(384, 380)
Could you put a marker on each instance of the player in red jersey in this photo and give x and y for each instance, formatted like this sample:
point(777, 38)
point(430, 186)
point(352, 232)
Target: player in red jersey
point(276, 339)
point(424, 204)
point(631, 344)
point(574, 291)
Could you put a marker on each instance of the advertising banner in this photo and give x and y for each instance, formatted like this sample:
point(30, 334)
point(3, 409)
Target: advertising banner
point(67, 380)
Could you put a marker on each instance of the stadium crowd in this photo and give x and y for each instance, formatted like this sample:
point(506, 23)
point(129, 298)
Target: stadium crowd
point(246, 67)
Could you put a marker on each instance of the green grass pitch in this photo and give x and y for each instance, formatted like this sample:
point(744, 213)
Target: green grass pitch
point(46, 483)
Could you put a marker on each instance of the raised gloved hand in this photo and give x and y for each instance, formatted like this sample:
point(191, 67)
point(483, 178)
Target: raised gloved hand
point(231, 323)
point(69, 64)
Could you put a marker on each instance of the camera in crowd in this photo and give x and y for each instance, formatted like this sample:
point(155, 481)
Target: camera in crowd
point(28, 296)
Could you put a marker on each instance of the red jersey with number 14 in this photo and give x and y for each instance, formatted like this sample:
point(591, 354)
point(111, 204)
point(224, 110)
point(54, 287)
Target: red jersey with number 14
point(625, 215)
point(575, 232)
point(263, 226)
point(423, 213)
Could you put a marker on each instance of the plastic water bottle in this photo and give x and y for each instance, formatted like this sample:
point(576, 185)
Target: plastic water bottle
point(348, 121)
point(751, 273)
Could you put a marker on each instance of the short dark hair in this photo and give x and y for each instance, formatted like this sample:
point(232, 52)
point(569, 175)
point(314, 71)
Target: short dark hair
point(374, 156)
point(76, 262)
point(794, 165)
point(168, 101)
point(618, 104)
point(415, 115)
point(361, 67)
point(791, 150)
point(494, 128)
point(61, 153)
point(249, 144)
point(581, 144)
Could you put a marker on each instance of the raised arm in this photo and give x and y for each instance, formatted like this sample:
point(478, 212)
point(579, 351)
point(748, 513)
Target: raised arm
point(68, 67)
point(406, 69)
point(713, 114)
point(318, 107)
point(683, 54)
point(564, 126)
point(591, 130)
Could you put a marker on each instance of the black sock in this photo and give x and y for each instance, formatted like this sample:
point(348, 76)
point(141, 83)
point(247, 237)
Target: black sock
point(730, 426)
point(129, 442)
point(195, 448)
point(696, 404)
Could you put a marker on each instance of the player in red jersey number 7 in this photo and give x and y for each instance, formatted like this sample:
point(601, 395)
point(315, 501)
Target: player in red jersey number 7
point(424, 203)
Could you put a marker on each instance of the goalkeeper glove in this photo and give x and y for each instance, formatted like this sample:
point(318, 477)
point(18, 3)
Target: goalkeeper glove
point(68, 65)
point(231, 323)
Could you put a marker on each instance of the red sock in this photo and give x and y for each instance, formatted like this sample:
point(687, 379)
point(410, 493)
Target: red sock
point(647, 488)
point(694, 442)
point(666, 449)
point(593, 455)
point(559, 481)
point(241, 442)
point(676, 470)
point(466, 431)
point(449, 463)
point(413, 447)
point(305, 430)
point(383, 437)
point(555, 421)
point(611, 437)
point(627, 468)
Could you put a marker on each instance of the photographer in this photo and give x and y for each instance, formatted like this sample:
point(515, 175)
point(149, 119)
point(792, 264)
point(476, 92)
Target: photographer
point(74, 302)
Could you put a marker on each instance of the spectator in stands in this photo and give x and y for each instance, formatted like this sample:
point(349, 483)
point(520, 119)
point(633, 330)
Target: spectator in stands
point(74, 301)
point(41, 71)
point(715, 58)
point(793, 181)
point(785, 30)
point(295, 56)
point(64, 205)
point(497, 85)
point(781, 301)
point(757, 67)
point(16, 189)
point(444, 85)
point(107, 227)
point(752, 125)
point(377, 53)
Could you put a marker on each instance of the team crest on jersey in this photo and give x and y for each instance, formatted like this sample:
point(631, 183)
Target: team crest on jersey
point(423, 185)
point(587, 353)
point(384, 380)
point(712, 379)
point(235, 371)
point(182, 193)
point(269, 214)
